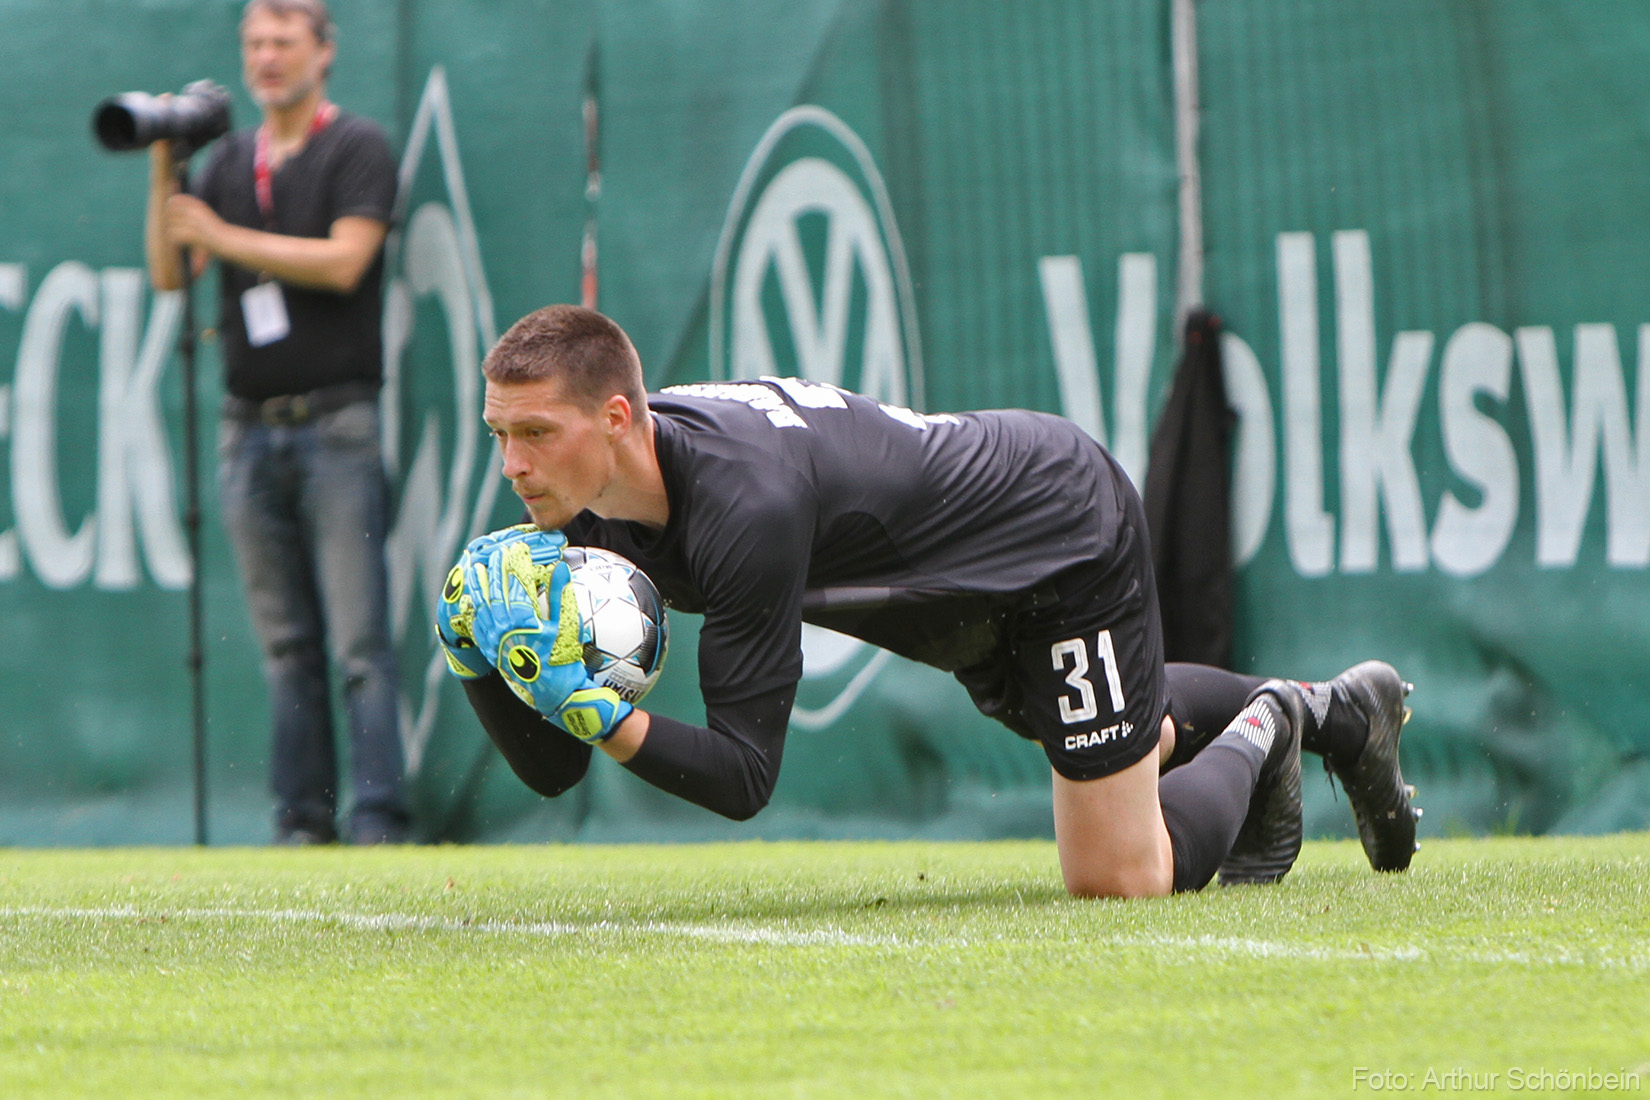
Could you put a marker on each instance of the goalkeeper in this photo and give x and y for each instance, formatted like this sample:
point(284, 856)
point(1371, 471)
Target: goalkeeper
point(1005, 547)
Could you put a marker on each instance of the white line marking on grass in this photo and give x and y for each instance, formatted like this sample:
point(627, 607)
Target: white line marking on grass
point(396, 922)
point(1272, 949)
point(832, 937)
point(1405, 953)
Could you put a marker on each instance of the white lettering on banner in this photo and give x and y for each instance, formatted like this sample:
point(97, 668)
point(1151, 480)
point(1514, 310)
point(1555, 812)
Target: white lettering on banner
point(1066, 308)
point(134, 466)
point(1466, 541)
point(1134, 344)
point(1566, 460)
point(1379, 413)
point(58, 558)
point(134, 475)
point(1254, 450)
point(1375, 432)
point(1309, 530)
point(1065, 304)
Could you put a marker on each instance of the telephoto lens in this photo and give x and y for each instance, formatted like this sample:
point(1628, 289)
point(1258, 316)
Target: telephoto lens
point(134, 120)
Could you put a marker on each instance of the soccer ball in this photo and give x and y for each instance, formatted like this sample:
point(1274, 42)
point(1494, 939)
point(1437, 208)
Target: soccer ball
point(629, 633)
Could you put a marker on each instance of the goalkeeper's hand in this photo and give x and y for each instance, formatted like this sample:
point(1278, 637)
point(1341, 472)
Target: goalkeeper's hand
point(482, 545)
point(455, 616)
point(528, 626)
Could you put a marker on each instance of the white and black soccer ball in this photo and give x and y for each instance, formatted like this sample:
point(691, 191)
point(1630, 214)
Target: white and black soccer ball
point(629, 632)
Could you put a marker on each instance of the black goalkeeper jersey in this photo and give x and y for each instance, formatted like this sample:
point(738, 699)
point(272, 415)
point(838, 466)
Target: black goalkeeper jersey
point(793, 501)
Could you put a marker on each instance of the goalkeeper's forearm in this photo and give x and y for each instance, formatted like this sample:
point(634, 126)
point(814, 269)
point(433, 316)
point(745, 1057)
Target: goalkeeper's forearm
point(729, 767)
point(544, 757)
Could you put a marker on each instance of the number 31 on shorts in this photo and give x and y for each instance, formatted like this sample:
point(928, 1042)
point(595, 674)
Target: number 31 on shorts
point(1075, 653)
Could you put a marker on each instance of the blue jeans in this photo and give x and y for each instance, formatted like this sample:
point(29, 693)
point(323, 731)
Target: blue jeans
point(307, 508)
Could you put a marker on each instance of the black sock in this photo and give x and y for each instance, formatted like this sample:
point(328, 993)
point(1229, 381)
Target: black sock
point(1204, 804)
point(1203, 702)
point(1350, 729)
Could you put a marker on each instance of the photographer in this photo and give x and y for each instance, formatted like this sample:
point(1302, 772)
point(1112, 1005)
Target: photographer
point(296, 211)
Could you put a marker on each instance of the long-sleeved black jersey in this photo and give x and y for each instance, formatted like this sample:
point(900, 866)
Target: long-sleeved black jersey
point(792, 502)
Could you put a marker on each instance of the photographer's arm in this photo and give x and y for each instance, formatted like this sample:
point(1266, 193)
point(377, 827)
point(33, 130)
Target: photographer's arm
point(160, 250)
point(335, 262)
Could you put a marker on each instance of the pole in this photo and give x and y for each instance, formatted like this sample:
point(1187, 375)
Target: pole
point(192, 526)
point(1187, 118)
point(589, 281)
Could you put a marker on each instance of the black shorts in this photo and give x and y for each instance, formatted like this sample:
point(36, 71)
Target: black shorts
point(1080, 664)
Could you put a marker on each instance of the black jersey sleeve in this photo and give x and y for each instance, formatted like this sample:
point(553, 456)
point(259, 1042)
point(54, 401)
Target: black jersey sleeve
point(753, 563)
point(545, 758)
point(728, 767)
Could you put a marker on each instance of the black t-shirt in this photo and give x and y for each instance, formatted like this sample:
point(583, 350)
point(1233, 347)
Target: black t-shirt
point(792, 501)
point(345, 170)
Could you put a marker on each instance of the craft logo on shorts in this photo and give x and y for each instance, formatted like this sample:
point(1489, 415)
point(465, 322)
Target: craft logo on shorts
point(810, 280)
point(438, 324)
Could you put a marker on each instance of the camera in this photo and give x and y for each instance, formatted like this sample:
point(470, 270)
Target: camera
point(190, 119)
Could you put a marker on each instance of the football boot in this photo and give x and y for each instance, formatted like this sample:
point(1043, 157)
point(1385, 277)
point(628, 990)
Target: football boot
point(1270, 839)
point(1369, 698)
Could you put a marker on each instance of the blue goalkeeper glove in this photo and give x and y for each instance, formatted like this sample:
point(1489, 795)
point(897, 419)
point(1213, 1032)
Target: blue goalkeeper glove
point(454, 620)
point(456, 613)
point(528, 625)
point(482, 545)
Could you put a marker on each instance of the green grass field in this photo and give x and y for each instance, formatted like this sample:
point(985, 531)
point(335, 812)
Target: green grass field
point(815, 970)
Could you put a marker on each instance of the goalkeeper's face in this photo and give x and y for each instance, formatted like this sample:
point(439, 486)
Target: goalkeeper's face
point(560, 457)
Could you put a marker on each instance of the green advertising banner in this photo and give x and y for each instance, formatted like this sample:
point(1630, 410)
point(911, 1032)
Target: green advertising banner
point(1419, 227)
point(1423, 228)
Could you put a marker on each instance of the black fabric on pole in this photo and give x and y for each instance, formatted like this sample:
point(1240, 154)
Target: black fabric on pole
point(1188, 503)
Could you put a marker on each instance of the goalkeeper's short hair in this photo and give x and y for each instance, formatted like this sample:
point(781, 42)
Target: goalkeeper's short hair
point(588, 353)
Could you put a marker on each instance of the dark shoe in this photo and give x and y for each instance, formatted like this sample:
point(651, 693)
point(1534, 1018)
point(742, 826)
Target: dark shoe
point(380, 823)
point(1270, 839)
point(1370, 696)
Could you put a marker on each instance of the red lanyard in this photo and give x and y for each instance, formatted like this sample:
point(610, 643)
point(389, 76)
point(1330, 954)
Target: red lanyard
point(263, 177)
